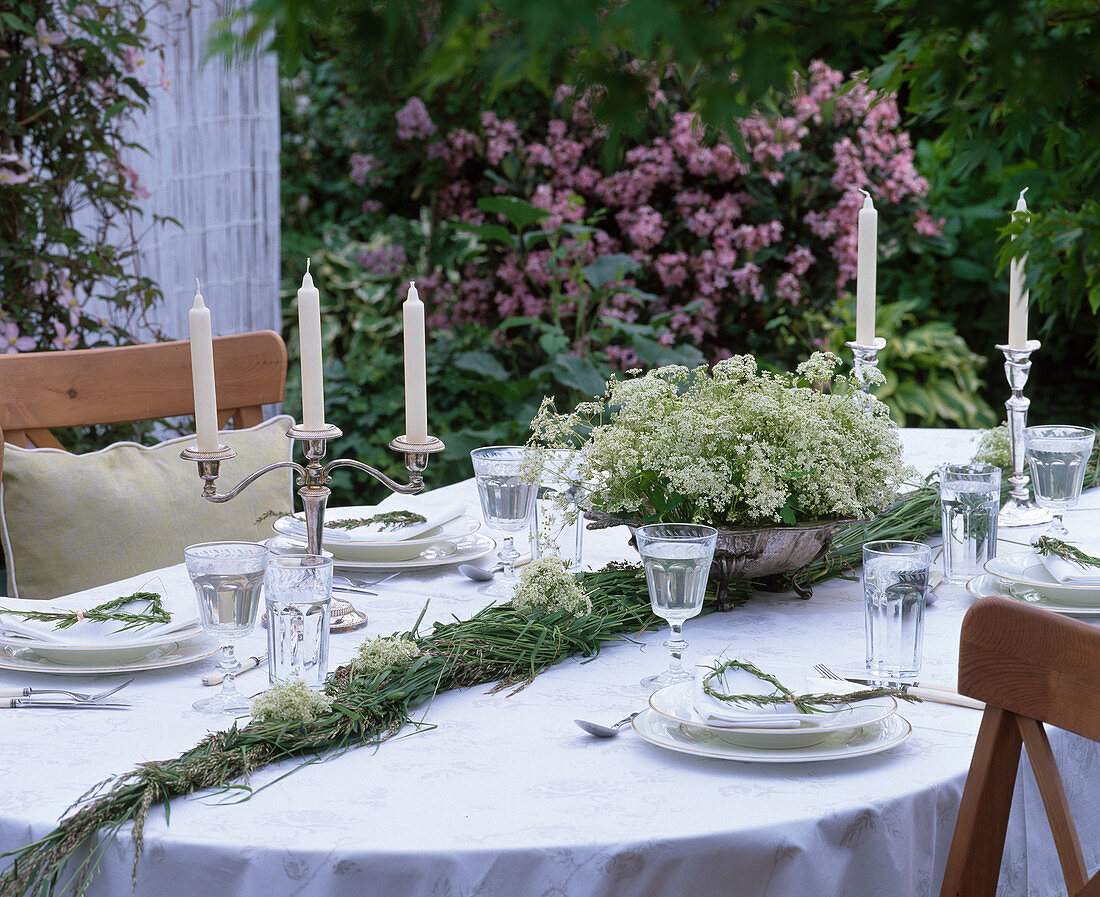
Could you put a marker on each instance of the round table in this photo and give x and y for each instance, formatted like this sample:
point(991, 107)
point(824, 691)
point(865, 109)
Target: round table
point(500, 795)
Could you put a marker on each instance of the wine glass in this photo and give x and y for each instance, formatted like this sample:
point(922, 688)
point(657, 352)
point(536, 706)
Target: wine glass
point(1057, 456)
point(676, 557)
point(506, 488)
point(228, 577)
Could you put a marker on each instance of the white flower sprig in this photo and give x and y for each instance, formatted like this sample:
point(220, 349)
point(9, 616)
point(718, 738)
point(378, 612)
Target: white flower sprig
point(546, 586)
point(290, 701)
point(384, 651)
point(733, 446)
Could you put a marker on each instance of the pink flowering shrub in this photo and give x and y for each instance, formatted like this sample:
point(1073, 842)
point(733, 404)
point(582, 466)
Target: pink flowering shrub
point(723, 244)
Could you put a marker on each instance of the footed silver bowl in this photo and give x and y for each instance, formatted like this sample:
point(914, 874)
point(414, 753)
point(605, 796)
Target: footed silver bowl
point(755, 553)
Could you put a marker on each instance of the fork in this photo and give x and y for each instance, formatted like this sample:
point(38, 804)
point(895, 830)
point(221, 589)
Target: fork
point(75, 695)
point(937, 694)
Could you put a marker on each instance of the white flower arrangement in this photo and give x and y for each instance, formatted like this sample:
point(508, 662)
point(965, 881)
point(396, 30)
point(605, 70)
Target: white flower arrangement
point(384, 651)
point(732, 447)
point(995, 447)
point(546, 586)
point(290, 701)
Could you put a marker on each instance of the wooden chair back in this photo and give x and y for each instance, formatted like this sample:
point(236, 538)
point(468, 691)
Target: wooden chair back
point(1029, 666)
point(43, 390)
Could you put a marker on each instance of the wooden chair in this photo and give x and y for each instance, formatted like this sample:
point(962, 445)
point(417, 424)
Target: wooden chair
point(42, 390)
point(1029, 666)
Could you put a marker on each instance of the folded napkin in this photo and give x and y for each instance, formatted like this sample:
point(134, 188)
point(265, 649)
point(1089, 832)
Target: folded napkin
point(741, 682)
point(1070, 573)
point(435, 514)
point(178, 601)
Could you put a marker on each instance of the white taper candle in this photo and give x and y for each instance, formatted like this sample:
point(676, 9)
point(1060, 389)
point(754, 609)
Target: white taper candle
point(866, 271)
point(416, 374)
point(309, 347)
point(202, 375)
point(1017, 295)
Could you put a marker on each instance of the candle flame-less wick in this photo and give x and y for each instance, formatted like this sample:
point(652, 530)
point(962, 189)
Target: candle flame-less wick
point(865, 192)
point(198, 289)
point(412, 283)
point(307, 265)
point(1022, 192)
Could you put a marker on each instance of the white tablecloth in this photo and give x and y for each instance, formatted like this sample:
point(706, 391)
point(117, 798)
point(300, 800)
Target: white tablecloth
point(506, 797)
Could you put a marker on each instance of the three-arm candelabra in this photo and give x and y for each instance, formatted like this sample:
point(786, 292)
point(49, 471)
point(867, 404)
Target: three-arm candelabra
point(314, 477)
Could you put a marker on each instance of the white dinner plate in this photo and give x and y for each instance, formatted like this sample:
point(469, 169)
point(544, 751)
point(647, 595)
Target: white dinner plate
point(1025, 569)
point(391, 551)
point(986, 584)
point(685, 739)
point(676, 703)
point(438, 554)
point(172, 654)
point(102, 654)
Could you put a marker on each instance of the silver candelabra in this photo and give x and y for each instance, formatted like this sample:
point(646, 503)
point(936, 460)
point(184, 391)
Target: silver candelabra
point(1020, 509)
point(864, 359)
point(314, 477)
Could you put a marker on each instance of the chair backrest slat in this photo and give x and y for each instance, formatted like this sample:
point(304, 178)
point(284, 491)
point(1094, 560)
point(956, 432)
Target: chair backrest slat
point(40, 391)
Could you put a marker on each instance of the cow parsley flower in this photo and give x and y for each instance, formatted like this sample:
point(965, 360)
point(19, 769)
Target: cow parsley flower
point(384, 651)
point(290, 701)
point(734, 446)
point(546, 586)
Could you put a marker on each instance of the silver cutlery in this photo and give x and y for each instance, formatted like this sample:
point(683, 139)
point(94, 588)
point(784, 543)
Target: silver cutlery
point(342, 583)
point(480, 574)
point(29, 703)
point(249, 663)
point(936, 694)
point(602, 731)
point(75, 695)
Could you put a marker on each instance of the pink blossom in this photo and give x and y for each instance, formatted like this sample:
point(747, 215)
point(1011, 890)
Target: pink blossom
point(413, 121)
point(11, 342)
point(65, 338)
point(362, 164)
point(387, 261)
point(44, 40)
point(132, 58)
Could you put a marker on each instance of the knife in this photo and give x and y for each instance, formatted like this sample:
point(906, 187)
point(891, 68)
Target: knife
point(929, 691)
point(24, 703)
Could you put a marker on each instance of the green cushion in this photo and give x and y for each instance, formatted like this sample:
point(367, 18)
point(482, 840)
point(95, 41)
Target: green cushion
point(70, 522)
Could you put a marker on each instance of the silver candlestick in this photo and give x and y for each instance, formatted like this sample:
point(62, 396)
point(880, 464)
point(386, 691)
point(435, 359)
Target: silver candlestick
point(864, 359)
point(314, 477)
point(1020, 509)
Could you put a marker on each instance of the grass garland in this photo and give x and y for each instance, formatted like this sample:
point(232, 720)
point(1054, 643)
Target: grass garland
point(496, 645)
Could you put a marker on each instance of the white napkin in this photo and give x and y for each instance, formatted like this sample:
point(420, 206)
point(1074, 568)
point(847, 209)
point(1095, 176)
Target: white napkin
point(741, 682)
point(1070, 573)
point(179, 602)
point(434, 512)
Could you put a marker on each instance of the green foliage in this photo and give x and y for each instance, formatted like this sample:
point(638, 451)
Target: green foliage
point(931, 374)
point(70, 81)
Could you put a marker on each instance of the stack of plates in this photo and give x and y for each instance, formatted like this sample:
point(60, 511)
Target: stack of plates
point(864, 727)
point(455, 541)
point(1023, 576)
point(96, 648)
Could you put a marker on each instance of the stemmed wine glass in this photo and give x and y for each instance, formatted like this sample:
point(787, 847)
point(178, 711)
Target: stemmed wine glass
point(507, 493)
point(676, 557)
point(227, 577)
point(1057, 456)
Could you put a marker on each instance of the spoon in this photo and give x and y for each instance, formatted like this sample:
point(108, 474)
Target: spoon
point(601, 731)
point(479, 574)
